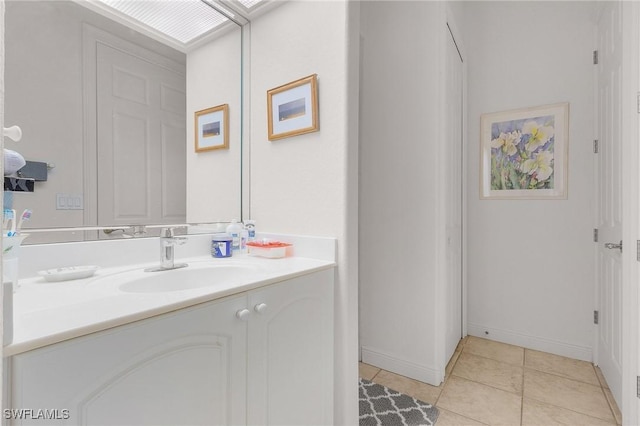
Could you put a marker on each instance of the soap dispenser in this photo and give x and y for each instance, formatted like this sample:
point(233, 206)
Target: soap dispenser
point(234, 230)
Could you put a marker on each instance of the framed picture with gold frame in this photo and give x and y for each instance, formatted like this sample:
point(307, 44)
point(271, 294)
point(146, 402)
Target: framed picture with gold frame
point(292, 109)
point(212, 128)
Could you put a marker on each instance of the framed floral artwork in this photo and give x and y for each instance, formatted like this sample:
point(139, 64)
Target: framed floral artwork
point(524, 153)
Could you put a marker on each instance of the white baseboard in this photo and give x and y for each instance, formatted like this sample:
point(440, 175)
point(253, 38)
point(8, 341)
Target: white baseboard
point(400, 366)
point(532, 342)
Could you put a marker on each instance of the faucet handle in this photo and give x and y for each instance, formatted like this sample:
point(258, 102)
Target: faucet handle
point(169, 231)
point(166, 232)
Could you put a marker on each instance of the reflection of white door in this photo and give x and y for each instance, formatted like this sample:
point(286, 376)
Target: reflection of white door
point(609, 208)
point(141, 148)
point(454, 197)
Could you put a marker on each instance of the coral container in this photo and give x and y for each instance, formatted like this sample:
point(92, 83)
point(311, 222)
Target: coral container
point(272, 249)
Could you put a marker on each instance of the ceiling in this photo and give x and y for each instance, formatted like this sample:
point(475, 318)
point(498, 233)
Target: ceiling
point(181, 24)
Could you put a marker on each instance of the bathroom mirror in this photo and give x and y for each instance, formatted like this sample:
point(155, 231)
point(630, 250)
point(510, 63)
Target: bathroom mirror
point(107, 109)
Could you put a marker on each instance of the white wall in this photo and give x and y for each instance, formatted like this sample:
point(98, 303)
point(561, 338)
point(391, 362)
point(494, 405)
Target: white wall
point(399, 198)
point(305, 184)
point(213, 177)
point(51, 121)
point(530, 263)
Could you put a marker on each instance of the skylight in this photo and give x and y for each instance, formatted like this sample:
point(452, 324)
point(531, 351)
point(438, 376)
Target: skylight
point(249, 3)
point(182, 20)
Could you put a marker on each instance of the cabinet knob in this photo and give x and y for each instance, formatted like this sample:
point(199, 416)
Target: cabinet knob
point(260, 308)
point(243, 314)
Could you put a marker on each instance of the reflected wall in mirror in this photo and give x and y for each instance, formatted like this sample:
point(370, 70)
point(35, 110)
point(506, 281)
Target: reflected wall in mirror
point(110, 109)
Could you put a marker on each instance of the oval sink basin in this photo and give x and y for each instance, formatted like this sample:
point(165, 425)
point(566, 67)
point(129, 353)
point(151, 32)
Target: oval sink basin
point(187, 278)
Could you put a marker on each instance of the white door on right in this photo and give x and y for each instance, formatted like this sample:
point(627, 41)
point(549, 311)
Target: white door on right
point(609, 207)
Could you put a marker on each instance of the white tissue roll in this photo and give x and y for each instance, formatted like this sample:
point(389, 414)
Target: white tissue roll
point(13, 162)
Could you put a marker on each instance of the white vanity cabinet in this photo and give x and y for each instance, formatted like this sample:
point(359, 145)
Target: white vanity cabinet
point(290, 352)
point(185, 367)
point(260, 357)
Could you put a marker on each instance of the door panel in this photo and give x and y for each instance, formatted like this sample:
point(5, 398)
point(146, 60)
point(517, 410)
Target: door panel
point(128, 167)
point(454, 197)
point(141, 140)
point(609, 160)
point(290, 361)
point(181, 368)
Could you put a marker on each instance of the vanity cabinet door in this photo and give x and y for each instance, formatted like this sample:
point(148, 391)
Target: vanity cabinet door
point(183, 368)
point(290, 364)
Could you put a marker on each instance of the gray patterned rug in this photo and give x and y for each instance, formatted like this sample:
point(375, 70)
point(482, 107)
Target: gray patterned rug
point(382, 406)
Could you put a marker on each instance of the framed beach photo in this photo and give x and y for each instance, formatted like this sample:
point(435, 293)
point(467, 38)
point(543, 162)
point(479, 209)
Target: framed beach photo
point(212, 128)
point(524, 153)
point(292, 109)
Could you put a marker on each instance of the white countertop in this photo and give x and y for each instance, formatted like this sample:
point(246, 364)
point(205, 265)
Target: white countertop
point(49, 312)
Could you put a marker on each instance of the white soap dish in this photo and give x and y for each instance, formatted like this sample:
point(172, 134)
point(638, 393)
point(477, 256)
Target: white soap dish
point(68, 273)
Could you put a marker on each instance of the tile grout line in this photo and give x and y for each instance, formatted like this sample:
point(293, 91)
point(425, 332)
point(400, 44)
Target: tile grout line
point(444, 385)
point(576, 381)
point(552, 373)
point(469, 380)
point(444, 382)
point(524, 368)
point(570, 409)
point(573, 379)
point(613, 413)
point(462, 415)
point(524, 363)
point(376, 375)
point(446, 379)
point(462, 350)
point(487, 384)
point(493, 359)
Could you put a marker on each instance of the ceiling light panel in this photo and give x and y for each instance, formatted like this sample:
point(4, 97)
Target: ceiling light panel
point(182, 20)
point(249, 3)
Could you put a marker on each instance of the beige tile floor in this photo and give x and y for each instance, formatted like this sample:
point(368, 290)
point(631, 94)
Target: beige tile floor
point(491, 383)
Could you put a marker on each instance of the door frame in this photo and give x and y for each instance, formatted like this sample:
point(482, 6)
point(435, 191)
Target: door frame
point(454, 28)
point(630, 406)
point(450, 28)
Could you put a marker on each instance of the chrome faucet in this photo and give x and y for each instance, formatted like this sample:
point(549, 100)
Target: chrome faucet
point(126, 231)
point(168, 241)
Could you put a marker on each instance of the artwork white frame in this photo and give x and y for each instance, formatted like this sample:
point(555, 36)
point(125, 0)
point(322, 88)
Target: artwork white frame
point(524, 153)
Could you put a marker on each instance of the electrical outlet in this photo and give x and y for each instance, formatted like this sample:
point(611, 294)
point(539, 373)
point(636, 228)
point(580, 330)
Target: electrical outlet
point(61, 202)
point(69, 202)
